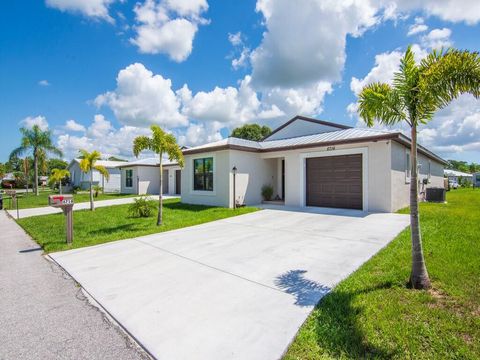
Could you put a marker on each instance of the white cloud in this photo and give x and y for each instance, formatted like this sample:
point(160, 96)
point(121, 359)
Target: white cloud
point(241, 53)
point(101, 136)
point(142, 98)
point(168, 26)
point(72, 125)
point(235, 39)
point(198, 134)
point(437, 38)
point(92, 8)
point(43, 83)
point(418, 27)
point(39, 120)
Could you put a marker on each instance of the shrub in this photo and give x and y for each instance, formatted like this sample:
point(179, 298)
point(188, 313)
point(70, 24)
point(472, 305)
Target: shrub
point(267, 192)
point(142, 207)
point(97, 189)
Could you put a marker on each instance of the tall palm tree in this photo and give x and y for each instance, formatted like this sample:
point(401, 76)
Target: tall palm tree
point(160, 143)
point(417, 92)
point(58, 175)
point(87, 165)
point(36, 140)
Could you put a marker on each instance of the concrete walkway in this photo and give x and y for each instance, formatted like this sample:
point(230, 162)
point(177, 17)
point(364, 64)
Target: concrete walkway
point(43, 314)
point(237, 288)
point(23, 213)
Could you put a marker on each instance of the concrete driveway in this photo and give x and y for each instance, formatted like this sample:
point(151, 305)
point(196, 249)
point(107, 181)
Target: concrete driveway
point(238, 288)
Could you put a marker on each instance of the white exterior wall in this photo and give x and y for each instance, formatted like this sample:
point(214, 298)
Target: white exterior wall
point(146, 180)
point(376, 160)
point(400, 183)
point(221, 175)
point(81, 179)
point(252, 173)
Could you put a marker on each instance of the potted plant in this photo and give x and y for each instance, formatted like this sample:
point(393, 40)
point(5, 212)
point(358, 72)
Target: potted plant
point(267, 192)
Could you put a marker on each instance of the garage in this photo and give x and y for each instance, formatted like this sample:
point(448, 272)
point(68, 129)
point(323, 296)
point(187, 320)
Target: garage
point(334, 181)
point(113, 183)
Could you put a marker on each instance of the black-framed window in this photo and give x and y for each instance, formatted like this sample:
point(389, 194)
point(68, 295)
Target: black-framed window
point(129, 178)
point(203, 174)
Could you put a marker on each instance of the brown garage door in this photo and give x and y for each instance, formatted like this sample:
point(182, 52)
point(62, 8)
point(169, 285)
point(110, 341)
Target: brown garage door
point(334, 181)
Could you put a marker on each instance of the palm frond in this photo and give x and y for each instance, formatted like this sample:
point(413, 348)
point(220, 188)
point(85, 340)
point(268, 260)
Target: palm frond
point(380, 102)
point(141, 143)
point(19, 151)
point(102, 170)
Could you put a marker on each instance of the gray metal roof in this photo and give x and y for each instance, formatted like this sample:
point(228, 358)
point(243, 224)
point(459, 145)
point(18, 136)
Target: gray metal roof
point(148, 162)
point(346, 134)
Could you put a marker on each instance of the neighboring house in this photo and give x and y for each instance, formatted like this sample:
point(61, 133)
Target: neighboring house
point(476, 179)
point(8, 180)
point(82, 180)
point(43, 180)
point(454, 175)
point(143, 177)
point(309, 162)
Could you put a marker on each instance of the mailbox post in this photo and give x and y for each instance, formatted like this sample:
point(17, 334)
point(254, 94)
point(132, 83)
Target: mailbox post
point(64, 202)
point(13, 199)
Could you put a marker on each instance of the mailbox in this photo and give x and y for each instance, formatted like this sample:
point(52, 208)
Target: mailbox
point(60, 200)
point(64, 202)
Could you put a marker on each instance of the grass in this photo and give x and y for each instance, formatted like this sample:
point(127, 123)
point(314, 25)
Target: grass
point(111, 223)
point(372, 313)
point(31, 201)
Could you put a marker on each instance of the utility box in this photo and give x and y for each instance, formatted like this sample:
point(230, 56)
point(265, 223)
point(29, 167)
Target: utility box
point(64, 202)
point(435, 194)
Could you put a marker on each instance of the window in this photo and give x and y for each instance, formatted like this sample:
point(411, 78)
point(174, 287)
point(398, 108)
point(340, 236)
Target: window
point(129, 178)
point(203, 174)
point(408, 167)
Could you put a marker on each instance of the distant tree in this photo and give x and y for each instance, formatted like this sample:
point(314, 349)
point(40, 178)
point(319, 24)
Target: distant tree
point(160, 143)
point(2, 171)
point(58, 175)
point(114, 158)
point(416, 93)
point(56, 164)
point(87, 164)
point(252, 132)
point(35, 140)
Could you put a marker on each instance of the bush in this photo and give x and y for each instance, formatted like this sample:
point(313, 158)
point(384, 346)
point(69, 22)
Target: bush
point(267, 192)
point(97, 189)
point(142, 207)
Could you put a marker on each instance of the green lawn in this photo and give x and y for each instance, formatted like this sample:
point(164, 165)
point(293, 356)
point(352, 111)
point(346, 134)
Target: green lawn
point(114, 223)
point(31, 201)
point(372, 314)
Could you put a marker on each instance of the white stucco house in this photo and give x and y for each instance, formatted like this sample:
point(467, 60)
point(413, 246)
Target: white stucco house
point(143, 177)
point(476, 179)
point(81, 179)
point(310, 163)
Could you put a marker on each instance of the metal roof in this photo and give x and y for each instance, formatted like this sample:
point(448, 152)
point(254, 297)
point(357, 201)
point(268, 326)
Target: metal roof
point(449, 172)
point(104, 163)
point(339, 135)
point(148, 162)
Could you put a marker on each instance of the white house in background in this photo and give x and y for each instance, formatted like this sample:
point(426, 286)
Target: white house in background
point(143, 177)
point(309, 162)
point(81, 179)
point(454, 175)
point(476, 179)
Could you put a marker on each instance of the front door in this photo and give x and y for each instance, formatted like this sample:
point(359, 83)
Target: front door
point(178, 182)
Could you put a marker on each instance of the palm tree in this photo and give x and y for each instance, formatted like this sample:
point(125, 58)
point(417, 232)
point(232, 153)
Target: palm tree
point(35, 140)
point(58, 175)
point(87, 164)
point(417, 92)
point(160, 143)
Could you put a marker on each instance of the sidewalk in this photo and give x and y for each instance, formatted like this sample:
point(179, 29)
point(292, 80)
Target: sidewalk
point(44, 315)
point(23, 213)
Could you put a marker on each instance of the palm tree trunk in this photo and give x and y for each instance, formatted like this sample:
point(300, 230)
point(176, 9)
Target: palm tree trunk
point(419, 277)
point(35, 166)
point(160, 198)
point(92, 207)
point(60, 187)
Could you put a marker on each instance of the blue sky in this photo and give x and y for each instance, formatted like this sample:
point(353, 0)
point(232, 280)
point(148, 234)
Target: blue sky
point(98, 72)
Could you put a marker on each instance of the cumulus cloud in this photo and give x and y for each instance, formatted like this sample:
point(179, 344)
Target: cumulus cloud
point(142, 98)
point(92, 8)
point(72, 125)
point(437, 38)
point(198, 134)
point(39, 120)
point(417, 27)
point(100, 135)
point(241, 53)
point(168, 26)
point(43, 83)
